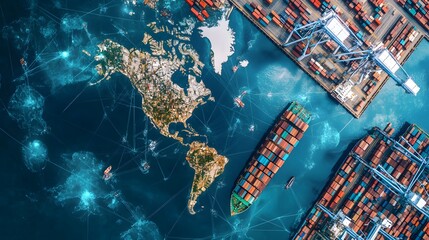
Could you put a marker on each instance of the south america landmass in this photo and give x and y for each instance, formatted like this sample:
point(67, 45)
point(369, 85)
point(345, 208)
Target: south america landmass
point(163, 101)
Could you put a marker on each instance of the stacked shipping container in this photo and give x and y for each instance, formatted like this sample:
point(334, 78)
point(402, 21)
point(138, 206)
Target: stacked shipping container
point(258, 13)
point(368, 22)
point(396, 28)
point(403, 42)
point(419, 9)
point(318, 69)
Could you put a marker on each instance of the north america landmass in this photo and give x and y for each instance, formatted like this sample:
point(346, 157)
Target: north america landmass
point(163, 101)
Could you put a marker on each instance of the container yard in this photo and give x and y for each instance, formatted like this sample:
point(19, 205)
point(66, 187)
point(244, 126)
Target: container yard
point(380, 191)
point(273, 152)
point(341, 44)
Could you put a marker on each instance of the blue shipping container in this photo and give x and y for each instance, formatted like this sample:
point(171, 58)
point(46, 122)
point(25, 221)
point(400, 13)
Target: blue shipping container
point(248, 7)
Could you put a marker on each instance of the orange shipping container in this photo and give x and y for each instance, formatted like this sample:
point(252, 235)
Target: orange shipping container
point(255, 15)
point(205, 13)
point(199, 17)
point(247, 197)
point(265, 179)
point(195, 12)
point(203, 4)
point(265, 20)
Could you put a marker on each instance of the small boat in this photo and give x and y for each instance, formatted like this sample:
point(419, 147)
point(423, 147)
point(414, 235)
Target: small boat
point(23, 62)
point(107, 174)
point(290, 182)
point(252, 128)
point(235, 68)
point(238, 100)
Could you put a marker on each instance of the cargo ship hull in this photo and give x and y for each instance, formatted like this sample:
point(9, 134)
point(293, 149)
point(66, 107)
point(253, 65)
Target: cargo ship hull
point(271, 155)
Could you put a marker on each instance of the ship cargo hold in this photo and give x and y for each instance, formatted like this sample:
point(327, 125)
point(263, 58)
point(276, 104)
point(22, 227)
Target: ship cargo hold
point(271, 155)
point(380, 180)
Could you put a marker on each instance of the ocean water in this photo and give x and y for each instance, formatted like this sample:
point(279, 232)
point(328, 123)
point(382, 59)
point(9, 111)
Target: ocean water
point(104, 125)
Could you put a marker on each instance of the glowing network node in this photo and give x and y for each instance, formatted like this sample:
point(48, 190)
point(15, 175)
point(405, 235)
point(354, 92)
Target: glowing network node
point(65, 54)
point(87, 198)
point(125, 9)
point(35, 154)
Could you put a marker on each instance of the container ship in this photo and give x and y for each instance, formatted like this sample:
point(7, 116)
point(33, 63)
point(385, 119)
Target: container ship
point(380, 191)
point(271, 155)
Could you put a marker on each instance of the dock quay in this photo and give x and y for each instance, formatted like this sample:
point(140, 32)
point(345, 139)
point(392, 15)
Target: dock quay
point(346, 62)
point(379, 191)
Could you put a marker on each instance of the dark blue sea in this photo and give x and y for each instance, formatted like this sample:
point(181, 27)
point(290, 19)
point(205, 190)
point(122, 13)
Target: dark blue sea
point(58, 132)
